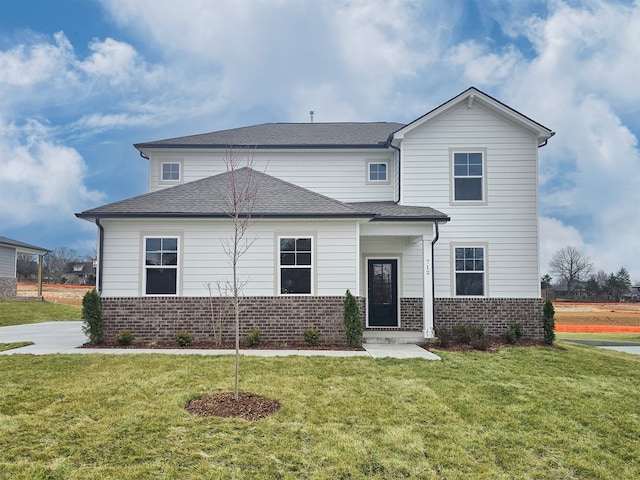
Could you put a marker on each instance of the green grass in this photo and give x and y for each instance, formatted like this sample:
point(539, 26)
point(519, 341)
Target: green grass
point(11, 346)
point(17, 312)
point(520, 413)
point(618, 337)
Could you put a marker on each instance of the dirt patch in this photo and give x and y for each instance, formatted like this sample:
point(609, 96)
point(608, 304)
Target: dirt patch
point(248, 406)
point(56, 293)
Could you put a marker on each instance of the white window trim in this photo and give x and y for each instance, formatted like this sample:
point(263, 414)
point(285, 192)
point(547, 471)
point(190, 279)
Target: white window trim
point(485, 273)
point(180, 164)
point(312, 266)
point(452, 182)
point(143, 264)
point(368, 172)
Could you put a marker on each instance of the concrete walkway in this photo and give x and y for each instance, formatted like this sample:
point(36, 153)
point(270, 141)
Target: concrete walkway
point(67, 337)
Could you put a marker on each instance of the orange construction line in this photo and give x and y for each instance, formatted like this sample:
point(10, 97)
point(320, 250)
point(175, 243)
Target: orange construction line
point(597, 328)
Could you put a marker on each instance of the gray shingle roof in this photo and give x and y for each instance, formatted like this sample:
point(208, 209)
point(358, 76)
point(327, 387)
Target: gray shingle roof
point(208, 198)
point(390, 211)
point(289, 135)
point(275, 198)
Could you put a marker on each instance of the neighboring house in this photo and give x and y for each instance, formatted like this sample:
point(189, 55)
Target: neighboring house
point(428, 224)
point(9, 250)
point(80, 273)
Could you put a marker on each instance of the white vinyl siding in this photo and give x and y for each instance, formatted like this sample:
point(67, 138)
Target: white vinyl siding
point(203, 259)
point(508, 222)
point(7, 262)
point(337, 174)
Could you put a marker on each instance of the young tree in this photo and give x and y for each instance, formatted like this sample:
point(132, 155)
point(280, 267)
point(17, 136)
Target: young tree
point(241, 195)
point(571, 265)
point(618, 284)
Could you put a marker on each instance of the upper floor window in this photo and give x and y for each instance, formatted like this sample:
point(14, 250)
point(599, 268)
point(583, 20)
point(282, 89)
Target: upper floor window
point(378, 172)
point(295, 264)
point(469, 176)
point(161, 265)
point(170, 172)
point(470, 271)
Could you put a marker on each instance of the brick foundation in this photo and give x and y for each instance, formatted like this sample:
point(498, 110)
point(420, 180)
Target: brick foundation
point(8, 288)
point(284, 319)
point(496, 314)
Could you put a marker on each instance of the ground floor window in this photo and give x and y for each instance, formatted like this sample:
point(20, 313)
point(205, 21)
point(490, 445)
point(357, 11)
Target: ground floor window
point(161, 265)
point(470, 271)
point(295, 265)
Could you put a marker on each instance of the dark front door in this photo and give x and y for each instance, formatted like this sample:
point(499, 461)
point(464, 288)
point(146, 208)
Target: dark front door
point(383, 293)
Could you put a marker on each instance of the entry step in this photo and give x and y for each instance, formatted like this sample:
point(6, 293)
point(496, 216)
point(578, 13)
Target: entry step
point(391, 336)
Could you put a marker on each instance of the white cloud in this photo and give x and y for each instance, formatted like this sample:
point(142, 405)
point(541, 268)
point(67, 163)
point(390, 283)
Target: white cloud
point(42, 181)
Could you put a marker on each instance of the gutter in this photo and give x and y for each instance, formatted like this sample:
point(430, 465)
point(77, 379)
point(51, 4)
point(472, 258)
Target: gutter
point(100, 255)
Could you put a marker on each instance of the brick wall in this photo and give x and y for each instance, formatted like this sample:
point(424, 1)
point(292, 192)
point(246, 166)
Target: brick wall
point(494, 313)
point(8, 287)
point(284, 319)
point(280, 319)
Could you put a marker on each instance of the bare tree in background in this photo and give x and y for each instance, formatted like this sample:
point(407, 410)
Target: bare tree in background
point(570, 265)
point(56, 261)
point(242, 190)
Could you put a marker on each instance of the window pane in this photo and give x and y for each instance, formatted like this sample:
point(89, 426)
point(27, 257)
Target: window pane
point(161, 281)
point(475, 170)
point(153, 244)
point(153, 259)
point(303, 259)
point(460, 170)
point(468, 188)
point(475, 158)
point(295, 280)
point(287, 244)
point(287, 259)
point(459, 265)
point(171, 171)
point(303, 244)
point(169, 259)
point(470, 284)
point(459, 253)
point(468, 265)
point(170, 244)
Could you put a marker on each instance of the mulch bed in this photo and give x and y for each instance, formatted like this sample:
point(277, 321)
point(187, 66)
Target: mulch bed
point(224, 346)
point(493, 345)
point(248, 406)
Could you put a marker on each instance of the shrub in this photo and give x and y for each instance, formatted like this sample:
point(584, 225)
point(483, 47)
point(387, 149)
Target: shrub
point(548, 322)
point(184, 339)
point(93, 326)
point(254, 339)
point(444, 336)
point(311, 336)
point(352, 322)
point(513, 333)
point(124, 337)
point(480, 342)
point(466, 332)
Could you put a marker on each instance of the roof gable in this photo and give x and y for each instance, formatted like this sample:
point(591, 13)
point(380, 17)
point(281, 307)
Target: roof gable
point(471, 96)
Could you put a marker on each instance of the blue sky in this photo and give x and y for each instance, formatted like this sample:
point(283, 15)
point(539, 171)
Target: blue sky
point(82, 80)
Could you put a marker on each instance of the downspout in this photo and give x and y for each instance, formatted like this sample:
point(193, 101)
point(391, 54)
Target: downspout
point(399, 179)
point(100, 255)
point(433, 273)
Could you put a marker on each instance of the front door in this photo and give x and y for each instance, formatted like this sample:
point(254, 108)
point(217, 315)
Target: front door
point(383, 293)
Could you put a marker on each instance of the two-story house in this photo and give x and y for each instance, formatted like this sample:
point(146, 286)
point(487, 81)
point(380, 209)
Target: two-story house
point(430, 223)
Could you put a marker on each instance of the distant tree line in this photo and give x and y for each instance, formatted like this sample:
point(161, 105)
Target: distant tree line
point(573, 272)
point(57, 267)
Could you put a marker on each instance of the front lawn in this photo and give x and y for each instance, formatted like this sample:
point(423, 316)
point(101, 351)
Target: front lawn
point(20, 312)
point(521, 413)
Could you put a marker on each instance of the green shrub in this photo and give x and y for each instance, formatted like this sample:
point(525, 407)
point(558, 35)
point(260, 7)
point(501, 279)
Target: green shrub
point(184, 339)
point(254, 339)
point(548, 322)
point(466, 332)
point(480, 342)
point(514, 332)
point(124, 337)
point(444, 336)
point(352, 322)
point(93, 326)
point(311, 336)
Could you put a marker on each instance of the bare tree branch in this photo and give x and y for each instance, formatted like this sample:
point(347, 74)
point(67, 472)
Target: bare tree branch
point(571, 265)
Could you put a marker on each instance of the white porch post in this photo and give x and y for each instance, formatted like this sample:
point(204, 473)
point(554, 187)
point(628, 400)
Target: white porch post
point(427, 295)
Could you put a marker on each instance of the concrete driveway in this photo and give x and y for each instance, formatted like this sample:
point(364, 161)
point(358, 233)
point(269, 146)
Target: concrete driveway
point(48, 337)
point(626, 347)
